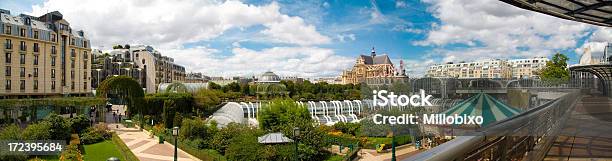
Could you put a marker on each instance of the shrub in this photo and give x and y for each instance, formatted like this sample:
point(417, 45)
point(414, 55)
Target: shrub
point(79, 123)
point(72, 152)
point(10, 132)
point(60, 127)
point(38, 131)
point(95, 134)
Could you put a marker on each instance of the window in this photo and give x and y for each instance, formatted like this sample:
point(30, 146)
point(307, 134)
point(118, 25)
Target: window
point(84, 85)
point(53, 51)
point(35, 59)
point(72, 53)
point(53, 61)
point(22, 46)
point(35, 72)
point(72, 74)
point(72, 85)
point(85, 44)
point(52, 85)
point(22, 85)
point(35, 85)
point(7, 29)
point(21, 58)
point(71, 63)
point(7, 71)
point(36, 48)
point(8, 44)
point(53, 38)
point(22, 33)
point(7, 58)
point(36, 34)
point(84, 75)
point(85, 64)
point(7, 86)
point(22, 72)
point(52, 73)
point(85, 55)
point(72, 41)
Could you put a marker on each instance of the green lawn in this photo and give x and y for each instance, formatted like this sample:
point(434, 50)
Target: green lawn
point(102, 151)
point(335, 158)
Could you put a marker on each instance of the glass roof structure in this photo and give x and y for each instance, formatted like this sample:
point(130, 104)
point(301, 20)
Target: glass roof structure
point(596, 12)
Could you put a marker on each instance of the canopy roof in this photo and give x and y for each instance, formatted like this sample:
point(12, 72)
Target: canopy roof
point(273, 138)
point(597, 12)
point(485, 105)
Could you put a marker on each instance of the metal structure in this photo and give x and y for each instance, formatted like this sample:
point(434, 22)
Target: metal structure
point(596, 12)
point(526, 136)
point(323, 112)
point(602, 71)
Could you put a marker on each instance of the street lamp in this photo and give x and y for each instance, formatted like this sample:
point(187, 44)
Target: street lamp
point(175, 132)
point(296, 133)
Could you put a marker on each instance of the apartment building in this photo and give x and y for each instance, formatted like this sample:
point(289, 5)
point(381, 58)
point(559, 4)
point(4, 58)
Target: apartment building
point(42, 56)
point(527, 68)
point(476, 69)
point(143, 63)
point(115, 63)
point(504, 69)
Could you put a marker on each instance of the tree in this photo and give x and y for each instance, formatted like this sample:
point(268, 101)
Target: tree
point(60, 127)
point(244, 147)
point(213, 86)
point(556, 71)
point(207, 100)
point(231, 87)
point(126, 88)
point(284, 115)
point(280, 114)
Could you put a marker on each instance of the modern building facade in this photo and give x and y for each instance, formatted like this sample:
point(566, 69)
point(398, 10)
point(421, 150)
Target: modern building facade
point(157, 68)
point(141, 62)
point(368, 67)
point(42, 56)
point(196, 78)
point(527, 68)
point(115, 63)
point(502, 69)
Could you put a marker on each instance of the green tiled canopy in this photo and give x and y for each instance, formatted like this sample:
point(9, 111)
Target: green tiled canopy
point(481, 104)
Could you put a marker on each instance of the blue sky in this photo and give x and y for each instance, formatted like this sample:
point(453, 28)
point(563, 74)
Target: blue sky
point(321, 38)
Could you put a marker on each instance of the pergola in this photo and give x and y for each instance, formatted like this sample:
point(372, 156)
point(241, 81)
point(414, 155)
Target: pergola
point(597, 12)
point(602, 71)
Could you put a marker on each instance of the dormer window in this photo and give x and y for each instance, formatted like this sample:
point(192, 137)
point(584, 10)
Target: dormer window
point(7, 29)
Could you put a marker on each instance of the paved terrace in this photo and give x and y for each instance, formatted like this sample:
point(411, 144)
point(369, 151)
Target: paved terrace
point(587, 134)
point(147, 148)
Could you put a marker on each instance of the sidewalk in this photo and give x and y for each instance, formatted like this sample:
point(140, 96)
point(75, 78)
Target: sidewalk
point(146, 148)
point(401, 152)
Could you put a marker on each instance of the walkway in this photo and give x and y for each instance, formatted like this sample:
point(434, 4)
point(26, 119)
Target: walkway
point(401, 152)
point(587, 135)
point(147, 148)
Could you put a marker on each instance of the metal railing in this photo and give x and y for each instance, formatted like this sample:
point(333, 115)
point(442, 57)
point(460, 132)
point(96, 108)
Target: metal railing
point(527, 136)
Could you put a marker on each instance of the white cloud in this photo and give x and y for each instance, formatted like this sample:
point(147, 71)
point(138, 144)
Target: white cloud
point(285, 61)
point(494, 29)
point(407, 28)
point(596, 42)
point(400, 4)
point(173, 23)
point(418, 68)
point(346, 37)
